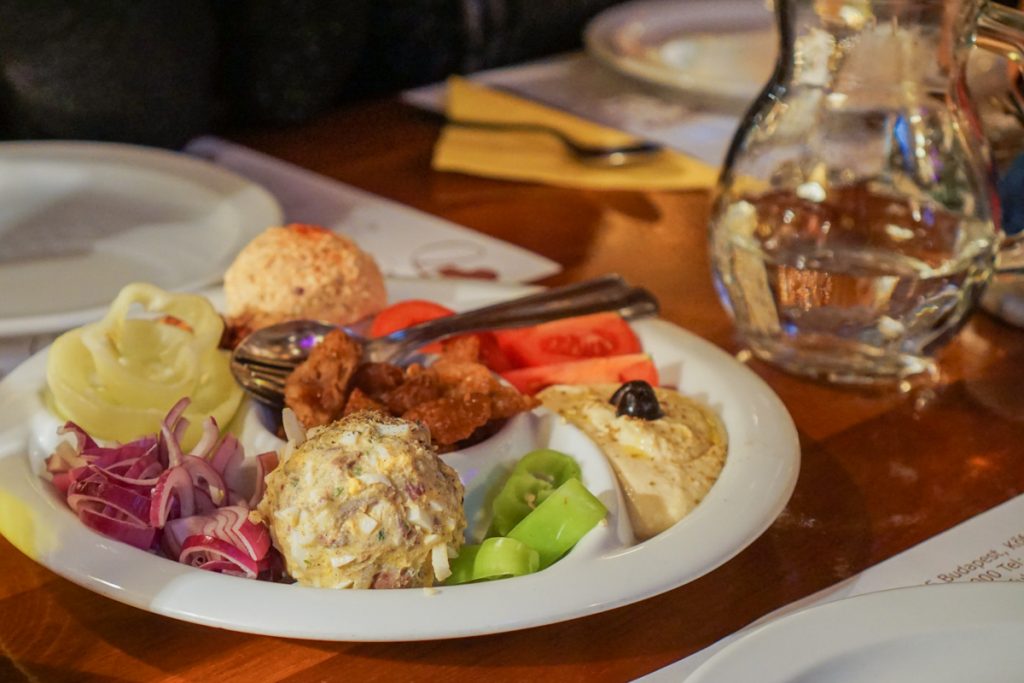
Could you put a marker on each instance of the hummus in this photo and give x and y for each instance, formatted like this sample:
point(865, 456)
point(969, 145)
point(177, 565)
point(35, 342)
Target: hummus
point(664, 466)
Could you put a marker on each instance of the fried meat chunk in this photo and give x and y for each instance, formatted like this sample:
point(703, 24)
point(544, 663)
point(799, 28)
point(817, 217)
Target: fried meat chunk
point(375, 379)
point(463, 376)
point(358, 400)
point(452, 418)
point(420, 386)
point(506, 401)
point(317, 390)
point(455, 398)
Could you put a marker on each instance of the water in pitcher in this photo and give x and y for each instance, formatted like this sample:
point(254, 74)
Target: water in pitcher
point(856, 286)
point(855, 220)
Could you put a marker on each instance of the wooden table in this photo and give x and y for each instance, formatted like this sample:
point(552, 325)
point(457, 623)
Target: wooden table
point(879, 473)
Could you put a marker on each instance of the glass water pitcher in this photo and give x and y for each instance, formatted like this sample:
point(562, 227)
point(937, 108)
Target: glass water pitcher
point(855, 223)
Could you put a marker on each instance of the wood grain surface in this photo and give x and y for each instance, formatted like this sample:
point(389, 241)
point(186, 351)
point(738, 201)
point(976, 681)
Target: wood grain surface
point(880, 472)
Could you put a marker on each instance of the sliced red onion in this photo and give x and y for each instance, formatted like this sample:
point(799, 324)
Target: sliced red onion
point(204, 504)
point(227, 459)
point(171, 447)
point(95, 492)
point(173, 483)
point(119, 466)
point(200, 549)
point(235, 498)
point(149, 491)
point(62, 481)
point(254, 538)
point(143, 473)
point(81, 438)
point(80, 473)
point(177, 530)
point(294, 430)
point(172, 429)
point(224, 567)
point(265, 464)
point(146, 443)
point(232, 524)
point(132, 534)
point(211, 432)
point(111, 457)
point(65, 457)
point(143, 446)
point(205, 478)
point(176, 411)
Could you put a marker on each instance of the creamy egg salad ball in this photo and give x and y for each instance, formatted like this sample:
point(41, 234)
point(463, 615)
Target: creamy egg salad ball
point(365, 502)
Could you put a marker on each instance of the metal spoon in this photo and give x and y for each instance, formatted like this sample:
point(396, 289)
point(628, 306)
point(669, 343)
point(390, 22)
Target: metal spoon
point(264, 359)
point(594, 155)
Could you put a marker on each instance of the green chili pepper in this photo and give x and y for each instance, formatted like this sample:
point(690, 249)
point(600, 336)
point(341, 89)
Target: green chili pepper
point(517, 498)
point(539, 514)
point(557, 524)
point(549, 465)
point(495, 558)
point(533, 479)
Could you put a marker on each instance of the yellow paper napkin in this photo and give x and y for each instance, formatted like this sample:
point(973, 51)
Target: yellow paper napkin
point(539, 157)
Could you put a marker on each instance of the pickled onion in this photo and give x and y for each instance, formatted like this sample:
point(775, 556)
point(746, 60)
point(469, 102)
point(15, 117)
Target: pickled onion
point(151, 494)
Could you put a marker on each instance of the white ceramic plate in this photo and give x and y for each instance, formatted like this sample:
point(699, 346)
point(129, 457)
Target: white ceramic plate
point(940, 634)
point(79, 220)
point(604, 571)
point(721, 50)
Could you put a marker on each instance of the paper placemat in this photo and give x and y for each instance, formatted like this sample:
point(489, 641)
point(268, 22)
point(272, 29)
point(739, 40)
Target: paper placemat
point(988, 547)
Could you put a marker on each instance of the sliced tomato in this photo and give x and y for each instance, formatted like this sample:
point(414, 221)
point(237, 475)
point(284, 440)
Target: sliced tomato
point(406, 314)
point(587, 336)
point(611, 370)
point(491, 354)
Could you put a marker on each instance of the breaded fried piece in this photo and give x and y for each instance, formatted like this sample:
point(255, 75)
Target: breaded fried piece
point(465, 347)
point(375, 379)
point(453, 397)
point(317, 390)
point(421, 385)
point(506, 401)
point(452, 418)
point(358, 400)
point(462, 376)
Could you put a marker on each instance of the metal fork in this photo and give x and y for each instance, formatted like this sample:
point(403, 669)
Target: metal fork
point(594, 155)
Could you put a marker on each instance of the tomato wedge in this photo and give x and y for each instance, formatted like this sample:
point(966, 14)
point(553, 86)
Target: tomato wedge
point(612, 370)
point(406, 314)
point(561, 341)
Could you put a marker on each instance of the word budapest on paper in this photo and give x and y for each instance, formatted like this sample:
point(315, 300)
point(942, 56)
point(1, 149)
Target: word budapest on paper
point(995, 565)
point(988, 547)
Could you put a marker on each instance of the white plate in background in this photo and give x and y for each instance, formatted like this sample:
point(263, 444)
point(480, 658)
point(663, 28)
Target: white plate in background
point(717, 50)
point(79, 220)
point(603, 572)
point(947, 633)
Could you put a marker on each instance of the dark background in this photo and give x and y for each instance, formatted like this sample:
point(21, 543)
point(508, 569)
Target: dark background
point(159, 72)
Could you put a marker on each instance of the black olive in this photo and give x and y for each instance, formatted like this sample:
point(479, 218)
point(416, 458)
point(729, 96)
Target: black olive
point(636, 399)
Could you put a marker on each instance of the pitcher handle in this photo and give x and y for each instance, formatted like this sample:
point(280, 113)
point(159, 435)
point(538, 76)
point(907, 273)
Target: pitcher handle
point(1000, 29)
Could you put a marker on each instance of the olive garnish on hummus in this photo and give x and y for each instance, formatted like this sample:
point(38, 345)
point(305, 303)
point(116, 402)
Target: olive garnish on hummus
point(636, 399)
point(665, 466)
